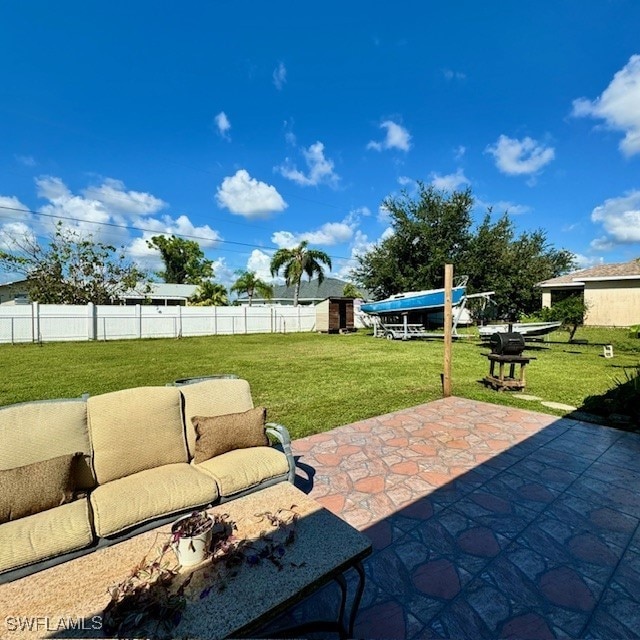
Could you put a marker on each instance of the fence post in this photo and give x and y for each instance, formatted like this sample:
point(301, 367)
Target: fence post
point(299, 321)
point(139, 318)
point(215, 321)
point(179, 321)
point(245, 319)
point(91, 321)
point(35, 321)
point(271, 310)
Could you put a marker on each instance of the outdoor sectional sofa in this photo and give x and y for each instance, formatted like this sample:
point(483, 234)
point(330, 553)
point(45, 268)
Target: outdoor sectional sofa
point(126, 461)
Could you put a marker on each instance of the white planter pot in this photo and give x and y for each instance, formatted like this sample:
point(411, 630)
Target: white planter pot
point(192, 551)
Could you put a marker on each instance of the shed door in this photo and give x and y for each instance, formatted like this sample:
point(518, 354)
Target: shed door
point(343, 315)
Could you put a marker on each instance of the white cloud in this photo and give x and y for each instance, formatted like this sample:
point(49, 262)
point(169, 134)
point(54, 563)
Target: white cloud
point(620, 218)
point(618, 106)
point(320, 168)
point(223, 124)
point(27, 161)
point(260, 263)
point(222, 273)
point(8, 206)
point(397, 137)
point(248, 197)
point(450, 74)
point(328, 234)
point(459, 152)
point(502, 206)
point(280, 76)
point(602, 244)
point(449, 182)
point(113, 195)
point(520, 157)
point(585, 262)
point(383, 214)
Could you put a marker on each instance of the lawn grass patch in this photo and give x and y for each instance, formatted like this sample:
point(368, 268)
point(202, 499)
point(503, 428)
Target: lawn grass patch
point(312, 382)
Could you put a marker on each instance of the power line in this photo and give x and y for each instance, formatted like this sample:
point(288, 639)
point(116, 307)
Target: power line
point(154, 231)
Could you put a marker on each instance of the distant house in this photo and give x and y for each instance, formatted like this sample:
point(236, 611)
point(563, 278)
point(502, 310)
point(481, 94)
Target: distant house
point(310, 293)
point(611, 292)
point(14, 292)
point(161, 294)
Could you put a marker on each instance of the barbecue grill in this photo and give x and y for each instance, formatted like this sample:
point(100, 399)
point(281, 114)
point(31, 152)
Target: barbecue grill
point(507, 344)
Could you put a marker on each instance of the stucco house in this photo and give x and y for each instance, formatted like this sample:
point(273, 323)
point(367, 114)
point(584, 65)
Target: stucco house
point(14, 292)
point(611, 292)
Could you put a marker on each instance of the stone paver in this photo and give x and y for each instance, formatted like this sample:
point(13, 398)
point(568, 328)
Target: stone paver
point(486, 522)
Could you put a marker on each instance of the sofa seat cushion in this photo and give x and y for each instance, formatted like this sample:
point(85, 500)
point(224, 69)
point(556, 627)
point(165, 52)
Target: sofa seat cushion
point(242, 469)
point(143, 496)
point(44, 535)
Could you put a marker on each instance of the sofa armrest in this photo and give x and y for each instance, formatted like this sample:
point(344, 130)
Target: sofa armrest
point(281, 434)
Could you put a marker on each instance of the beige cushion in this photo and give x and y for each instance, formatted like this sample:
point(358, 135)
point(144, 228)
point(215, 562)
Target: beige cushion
point(36, 487)
point(218, 434)
point(36, 431)
point(135, 429)
point(149, 494)
point(242, 469)
point(213, 398)
point(45, 535)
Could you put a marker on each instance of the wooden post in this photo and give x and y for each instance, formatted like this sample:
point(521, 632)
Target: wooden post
point(448, 322)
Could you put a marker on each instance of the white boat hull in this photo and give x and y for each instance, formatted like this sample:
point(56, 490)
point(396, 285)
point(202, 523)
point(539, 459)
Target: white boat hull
point(527, 329)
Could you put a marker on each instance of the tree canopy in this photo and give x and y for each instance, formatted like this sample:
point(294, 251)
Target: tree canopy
point(250, 284)
point(209, 294)
point(72, 269)
point(299, 261)
point(434, 228)
point(184, 261)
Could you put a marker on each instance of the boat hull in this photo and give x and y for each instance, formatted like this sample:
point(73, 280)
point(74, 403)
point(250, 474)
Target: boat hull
point(415, 301)
point(527, 329)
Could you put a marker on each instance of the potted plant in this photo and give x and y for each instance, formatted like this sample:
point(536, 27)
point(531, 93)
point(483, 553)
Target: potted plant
point(191, 537)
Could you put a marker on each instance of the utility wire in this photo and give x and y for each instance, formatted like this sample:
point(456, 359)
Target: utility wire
point(154, 231)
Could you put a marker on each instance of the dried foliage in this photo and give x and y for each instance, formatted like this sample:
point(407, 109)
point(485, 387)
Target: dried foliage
point(149, 602)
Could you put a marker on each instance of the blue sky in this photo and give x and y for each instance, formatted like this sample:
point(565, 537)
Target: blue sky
point(251, 126)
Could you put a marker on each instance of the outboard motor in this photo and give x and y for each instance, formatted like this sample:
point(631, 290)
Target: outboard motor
point(507, 344)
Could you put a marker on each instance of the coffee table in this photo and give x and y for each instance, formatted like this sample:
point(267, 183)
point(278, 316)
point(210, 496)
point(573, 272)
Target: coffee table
point(68, 599)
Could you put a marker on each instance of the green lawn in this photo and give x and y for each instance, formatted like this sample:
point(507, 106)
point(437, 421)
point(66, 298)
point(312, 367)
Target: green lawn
point(313, 382)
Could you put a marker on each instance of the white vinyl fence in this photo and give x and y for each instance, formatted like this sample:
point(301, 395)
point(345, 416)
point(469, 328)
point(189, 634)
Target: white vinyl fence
point(58, 322)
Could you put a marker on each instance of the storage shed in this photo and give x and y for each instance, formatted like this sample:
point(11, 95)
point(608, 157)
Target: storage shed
point(335, 315)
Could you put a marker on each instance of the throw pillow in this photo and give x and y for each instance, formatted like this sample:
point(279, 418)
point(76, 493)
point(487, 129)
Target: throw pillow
point(218, 434)
point(36, 487)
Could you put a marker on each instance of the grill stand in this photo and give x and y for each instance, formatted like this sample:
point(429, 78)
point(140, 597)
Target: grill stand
point(510, 382)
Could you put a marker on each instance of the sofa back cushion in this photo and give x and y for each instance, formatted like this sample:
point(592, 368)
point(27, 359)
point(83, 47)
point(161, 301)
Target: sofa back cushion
point(135, 429)
point(36, 431)
point(213, 398)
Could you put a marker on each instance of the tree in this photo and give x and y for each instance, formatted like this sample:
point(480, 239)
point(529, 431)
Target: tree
point(428, 231)
point(184, 261)
point(570, 311)
point(351, 291)
point(210, 294)
point(72, 269)
point(298, 261)
point(250, 284)
point(434, 228)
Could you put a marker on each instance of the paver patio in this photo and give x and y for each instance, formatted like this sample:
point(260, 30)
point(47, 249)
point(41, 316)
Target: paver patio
point(486, 522)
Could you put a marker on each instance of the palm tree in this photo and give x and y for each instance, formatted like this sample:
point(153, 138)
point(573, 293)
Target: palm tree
point(250, 284)
point(209, 294)
point(296, 263)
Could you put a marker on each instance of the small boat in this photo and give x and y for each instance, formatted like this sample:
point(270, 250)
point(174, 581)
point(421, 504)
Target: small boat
point(527, 329)
point(413, 301)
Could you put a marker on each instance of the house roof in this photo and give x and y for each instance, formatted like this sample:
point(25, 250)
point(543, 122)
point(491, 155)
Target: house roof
point(165, 290)
point(309, 291)
point(615, 271)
